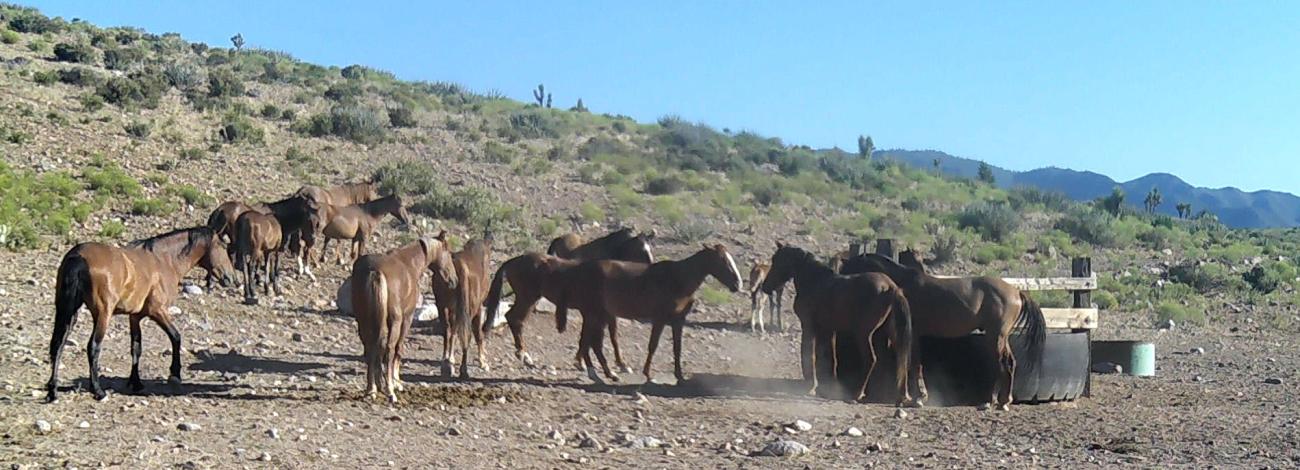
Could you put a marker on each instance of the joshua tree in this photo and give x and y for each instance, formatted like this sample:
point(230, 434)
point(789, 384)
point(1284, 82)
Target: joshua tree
point(986, 173)
point(866, 146)
point(1153, 200)
point(543, 98)
point(936, 163)
point(238, 41)
point(1184, 210)
point(582, 109)
point(1114, 201)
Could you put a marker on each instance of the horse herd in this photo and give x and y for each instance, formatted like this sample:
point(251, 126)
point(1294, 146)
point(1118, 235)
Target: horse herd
point(615, 276)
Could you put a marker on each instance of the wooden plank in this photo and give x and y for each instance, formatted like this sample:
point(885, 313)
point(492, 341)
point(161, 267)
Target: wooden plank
point(1047, 283)
point(1071, 318)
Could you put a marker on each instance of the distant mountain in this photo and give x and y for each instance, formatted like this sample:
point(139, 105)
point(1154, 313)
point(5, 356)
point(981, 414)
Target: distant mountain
point(1234, 207)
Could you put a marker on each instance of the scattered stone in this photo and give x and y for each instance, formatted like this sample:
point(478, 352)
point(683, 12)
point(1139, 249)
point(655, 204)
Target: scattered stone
point(853, 431)
point(174, 310)
point(801, 426)
point(158, 439)
point(273, 433)
point(646, 442)
point(877, 447)
point(1197, 351)
point(1107, 368)
point(900, 413)
point(1273, 381)
point(83, 425)
point(191, 289)
point(298, 338)
point(265, 457)
point(1166, 325)
point(453, 431)
point(43, 426)
point(784, 448)
point(189, 427)
point(590, 443)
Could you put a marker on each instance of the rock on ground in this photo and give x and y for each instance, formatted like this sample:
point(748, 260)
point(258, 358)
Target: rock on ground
point(784, 448)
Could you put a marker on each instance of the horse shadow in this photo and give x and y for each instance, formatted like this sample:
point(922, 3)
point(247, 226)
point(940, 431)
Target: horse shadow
point(697, 386)
point(238, 363)
point(719, 325)
point(153, 388)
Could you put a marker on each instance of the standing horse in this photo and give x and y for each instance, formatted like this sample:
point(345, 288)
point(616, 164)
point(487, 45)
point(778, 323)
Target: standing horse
point(385, 289)
point(216, 264)
point(109, 280)
point(954, 307)
point(757, 274)
point(663, 293)
point(357, 223)
point(257, 247)
point(461, 306)
point(534, 276)
point(222, 220)
point(827, 303)
point(621, 244)
point(328, 201)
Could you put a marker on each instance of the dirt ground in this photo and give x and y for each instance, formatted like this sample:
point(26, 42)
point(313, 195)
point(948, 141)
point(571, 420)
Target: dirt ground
point(278, 386)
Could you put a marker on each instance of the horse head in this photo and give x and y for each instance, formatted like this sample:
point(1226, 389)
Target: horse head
point(438, 255)
point(723, 267)
point(782, 266)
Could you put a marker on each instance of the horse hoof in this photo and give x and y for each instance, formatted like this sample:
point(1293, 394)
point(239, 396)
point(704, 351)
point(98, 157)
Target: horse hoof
point(613, 378)
point(1004, 407)
point(446, 370)
point(51, 397)
point(250, 301)
point(591, 374)
point(392, 398)
point(100, 395)
point(918, 403)
point(984, 407)
point(464, 374)
point(624, 370)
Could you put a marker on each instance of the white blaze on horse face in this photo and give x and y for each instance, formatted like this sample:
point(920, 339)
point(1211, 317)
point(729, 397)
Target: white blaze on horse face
point(731, 263)
point(650, 256)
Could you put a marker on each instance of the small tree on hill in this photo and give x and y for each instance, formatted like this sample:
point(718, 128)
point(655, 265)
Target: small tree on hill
point(1114, 202)
point(1184, 210)
point(986, 173)
point(866, 146)
point(543, 98)
point(936, 164)
point(1153, 200)
point(238, 41)
point(579, 107)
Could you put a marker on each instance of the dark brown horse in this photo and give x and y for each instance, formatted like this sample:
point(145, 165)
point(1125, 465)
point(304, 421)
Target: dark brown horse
point(954, 307)
point(385, 290)
point(222, 220)
point(216, 264)
point(460, 307)
point(662, 293)
point(328, 201)
point(827, 303)
point(109, 280)
point(621, 244)
point(357, 223)
point(256, 251)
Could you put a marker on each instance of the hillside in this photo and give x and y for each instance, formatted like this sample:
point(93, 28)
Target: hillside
point(1235, 208)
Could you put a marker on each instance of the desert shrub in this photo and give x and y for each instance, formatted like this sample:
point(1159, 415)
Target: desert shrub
point(80, 76)
point(1158, 237)
point(8, 37)
point(223, 83)
point(1023, 197)
point(354, 122)
point(92, 102)
point(476, 207)
point(496, 152)
point(138, 129)
point(1179, 313)
point(691, 230)
point(45, 77)
point(288, 115)
point(1090, 226)
point(34, 204)
point(1052, 298)
point(662, 185)
point(34, 23)
point(343, 91)
point(1204, 277)
point(184, 76)
point(546, 228)
point(137, 89)
point(591, 212)
point(238, 128)
point(275, 71)
point(710, 295)
point(988, 253)
point(77, 53)
point(270, 111)
point(112, 229)
point(766, 191)
point(1268, 277)
point(407, 177)
point(151, 207)
point(192, 154)
point(1104, 299)
point(401, 116)
point(122, 58)
point(994, 222)
point(534, 124)
point(190, 195)
point(946, 247)
point(110, 180)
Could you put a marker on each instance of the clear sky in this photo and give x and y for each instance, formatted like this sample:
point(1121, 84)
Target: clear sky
point(1209, 91)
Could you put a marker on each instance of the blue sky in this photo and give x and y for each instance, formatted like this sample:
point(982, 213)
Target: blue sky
point(1209, 91)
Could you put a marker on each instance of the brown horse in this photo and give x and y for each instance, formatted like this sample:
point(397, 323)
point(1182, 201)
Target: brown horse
point(827, 303)
point(757, 274)
point(256, 250)
point(621, 244)
point(663, 293)
point(954, 307)
point(109, 280)
point(328, 201)
point(385, 290)
point(357, 223)
point(216, 264)
point(222, 220)
point(461, 306)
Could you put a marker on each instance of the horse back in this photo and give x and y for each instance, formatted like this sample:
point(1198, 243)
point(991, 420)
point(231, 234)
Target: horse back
point(128, 276)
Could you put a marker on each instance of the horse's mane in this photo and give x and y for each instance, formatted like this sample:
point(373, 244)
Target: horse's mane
point(193, 236)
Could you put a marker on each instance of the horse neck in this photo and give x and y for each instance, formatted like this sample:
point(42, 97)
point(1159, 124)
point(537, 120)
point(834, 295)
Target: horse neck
point(810, 273)
point(378, 208)
point(180, 262)
point(689, 273)
point(904, 275)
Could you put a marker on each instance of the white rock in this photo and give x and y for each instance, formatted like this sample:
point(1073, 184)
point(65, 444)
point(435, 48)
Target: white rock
point(784, 448)
point(853, 431)
point(83, 425)
point(1166, 325)
point(191, 289)
point(427, 312)
point(646, 442)
point(1107, 368)
point(900, 413)
point(174, 310)
point(1198, 351)
point(265, 457)
point(590, 443)
point(273, 433)
point(189, 427)
point(42, 426)
point(801, 426)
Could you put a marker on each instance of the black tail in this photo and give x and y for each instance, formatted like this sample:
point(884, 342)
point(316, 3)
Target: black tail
point(493, 301)
point(562, 315)
point(1033, 329)
point(904, 339)
point(71, 287)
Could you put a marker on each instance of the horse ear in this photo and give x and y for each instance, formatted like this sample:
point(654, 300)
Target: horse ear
point(706, 246)
point(442, 236)
point(780, 244)
point(719, 247)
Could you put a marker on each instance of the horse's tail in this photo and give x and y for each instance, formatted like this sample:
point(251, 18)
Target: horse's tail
point(1033, 327)
point(71, 287)
point(903, 336)
point(562, 313)
point(378, 300)
point(464, 314)
point(493, 301)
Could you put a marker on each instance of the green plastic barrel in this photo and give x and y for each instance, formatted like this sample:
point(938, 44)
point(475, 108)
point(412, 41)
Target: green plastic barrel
point(1138, 358)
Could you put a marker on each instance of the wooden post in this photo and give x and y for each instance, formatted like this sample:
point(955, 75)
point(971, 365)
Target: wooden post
point(1082, 267)
point(855, 249)
point(885, 247)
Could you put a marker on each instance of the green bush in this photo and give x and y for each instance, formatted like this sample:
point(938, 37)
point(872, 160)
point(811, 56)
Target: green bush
point(92, 102)
point(591, 212)
point(184, 76)
point(1090, 226)
point(8, 37)
point(222, 83)
point(78, 53)
point(288, 115)
point(121, 58)
point(1104, 299)
point(35, 204)
point(989, 253)
point(271, 111)
point(1269, 277)
point(238, 128)
point(546, 228)
point(354, 122)
point(34, 23)
point(664, 185)
point(496, 152)
point(192, 154)
point(112, 229)
point(151, 207)
point(45, 77)
point(401, 116)
point(473, 206)
point(1204, 277)
point(710, 295)
point(1180, 314)
point(138, 129)
point(80, 76)
point(190, 195)
point(994, 222)
point(141, 88)
point(407, 177)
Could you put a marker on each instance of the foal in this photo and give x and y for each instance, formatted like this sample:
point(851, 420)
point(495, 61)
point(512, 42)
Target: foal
point(109, 280)
point(385, 289)
point(461, 305)
point(663, 293)
point(827, 303)
point(256, 247)
point(756, 275)
point(357, 223)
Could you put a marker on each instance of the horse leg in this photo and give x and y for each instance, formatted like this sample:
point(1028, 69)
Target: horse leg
point(807, 360)
point(1007, 360)
point(586, 337)
point(618, 353)
point(92, 354)
point(136, 349)
point(678, 323)
point(324, 249)
point(250, 290)
point(868, 352)
point(755, 313)
point(656, 329)
point(515, 317)
point(448, 339)
point(480, 339)
point(823, 371)
point(164, 320)
point(64, 321)
point(993, 364)
point(598, 342)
